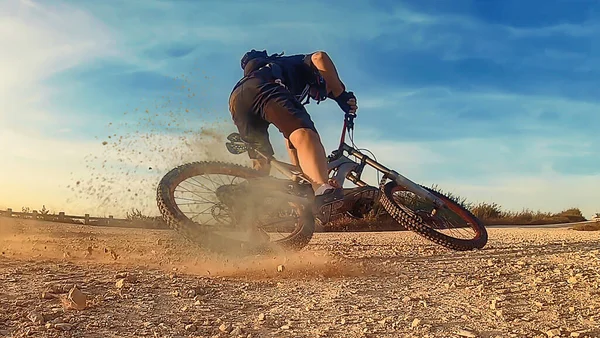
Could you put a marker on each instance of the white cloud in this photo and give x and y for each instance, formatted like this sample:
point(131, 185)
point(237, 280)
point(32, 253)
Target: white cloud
point(40, 40)
point(43, 40)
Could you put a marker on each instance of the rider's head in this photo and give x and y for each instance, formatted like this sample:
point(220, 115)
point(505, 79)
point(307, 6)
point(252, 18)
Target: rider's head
point(256, 54)
point(251, 55)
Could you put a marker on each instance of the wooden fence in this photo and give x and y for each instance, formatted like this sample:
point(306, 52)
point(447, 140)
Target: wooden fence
point(87, 219)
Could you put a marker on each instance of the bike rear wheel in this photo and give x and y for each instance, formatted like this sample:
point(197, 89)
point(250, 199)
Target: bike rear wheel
point(221, 220)
point(415, 214)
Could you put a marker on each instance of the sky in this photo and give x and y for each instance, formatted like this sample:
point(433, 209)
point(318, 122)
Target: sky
point(495, 101)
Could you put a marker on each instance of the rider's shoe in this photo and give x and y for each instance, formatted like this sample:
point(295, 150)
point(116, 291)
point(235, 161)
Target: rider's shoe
point(327, 204)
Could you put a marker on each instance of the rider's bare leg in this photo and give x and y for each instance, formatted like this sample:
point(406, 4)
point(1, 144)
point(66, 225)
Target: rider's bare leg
point(311, 156)
point(293, 153)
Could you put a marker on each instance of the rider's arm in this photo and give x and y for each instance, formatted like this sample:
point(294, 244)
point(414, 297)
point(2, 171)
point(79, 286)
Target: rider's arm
point(322, 62)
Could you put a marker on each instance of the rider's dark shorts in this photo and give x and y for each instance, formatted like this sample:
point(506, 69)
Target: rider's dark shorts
point(257, 102)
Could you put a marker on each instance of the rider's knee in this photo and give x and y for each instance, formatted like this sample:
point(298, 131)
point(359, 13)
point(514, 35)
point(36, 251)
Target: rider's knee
point(302, 135)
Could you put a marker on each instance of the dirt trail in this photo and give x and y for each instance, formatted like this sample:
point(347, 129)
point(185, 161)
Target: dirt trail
point(149, 283)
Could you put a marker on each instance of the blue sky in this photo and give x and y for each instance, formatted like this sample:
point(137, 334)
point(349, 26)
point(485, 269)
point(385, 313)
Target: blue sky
point(494, 100)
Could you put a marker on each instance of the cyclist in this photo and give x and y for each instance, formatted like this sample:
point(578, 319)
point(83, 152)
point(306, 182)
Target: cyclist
point(274, 90)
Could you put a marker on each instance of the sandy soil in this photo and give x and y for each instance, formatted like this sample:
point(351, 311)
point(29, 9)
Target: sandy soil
point(541, 282)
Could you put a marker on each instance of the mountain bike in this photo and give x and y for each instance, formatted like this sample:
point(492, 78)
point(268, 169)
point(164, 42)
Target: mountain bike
point(250, 210)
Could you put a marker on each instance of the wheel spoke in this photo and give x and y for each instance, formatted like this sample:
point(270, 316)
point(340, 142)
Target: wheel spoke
point(206, 199)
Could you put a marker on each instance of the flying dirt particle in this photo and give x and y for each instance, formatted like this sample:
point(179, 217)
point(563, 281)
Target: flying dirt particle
point(104, 143)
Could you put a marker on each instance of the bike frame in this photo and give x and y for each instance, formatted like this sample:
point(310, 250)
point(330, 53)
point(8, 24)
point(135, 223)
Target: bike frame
point(350, 169)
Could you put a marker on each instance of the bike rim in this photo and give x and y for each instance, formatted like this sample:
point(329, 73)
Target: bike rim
point(197, 199)
point(452, 221)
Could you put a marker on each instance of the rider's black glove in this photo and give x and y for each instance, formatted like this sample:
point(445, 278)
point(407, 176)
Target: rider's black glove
point(343, 100)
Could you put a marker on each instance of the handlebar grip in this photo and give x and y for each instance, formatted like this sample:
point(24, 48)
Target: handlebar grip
point(349, 120)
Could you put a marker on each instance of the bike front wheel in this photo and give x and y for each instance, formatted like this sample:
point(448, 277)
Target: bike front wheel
point(454, 227)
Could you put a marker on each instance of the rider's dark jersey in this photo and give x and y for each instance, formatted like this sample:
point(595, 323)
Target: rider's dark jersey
point(293, 72)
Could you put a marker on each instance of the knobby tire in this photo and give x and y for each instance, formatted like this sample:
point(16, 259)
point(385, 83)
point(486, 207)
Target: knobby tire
point(414, 223)
point(194, 232)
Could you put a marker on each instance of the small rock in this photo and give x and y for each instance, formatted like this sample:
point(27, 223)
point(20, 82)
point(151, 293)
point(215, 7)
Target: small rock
point(48, 295)
point(280, 268)
point(120, 283)
point(78, 298)
point(122, 274)
point(225, 328)
point(406, 299)
point(466, 333)
point(49, 325)
point(572, 280)
point(415, 322)
point(493, 304)
point(190, 328)
point(553, 333)
point(261, 316)
point(56, 288)
point(236, 332)
point(285, 327)
point(575, 334)
point(63, 326)
point(36, 317)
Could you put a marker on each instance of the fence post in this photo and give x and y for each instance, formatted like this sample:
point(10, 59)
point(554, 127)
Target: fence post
point(86, 219)
point(9, 212)
point(34, 215)
point(61, 216)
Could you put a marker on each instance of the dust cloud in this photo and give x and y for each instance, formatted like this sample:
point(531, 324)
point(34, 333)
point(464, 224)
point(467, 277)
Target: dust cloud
point(133, 249)
point(147, 142)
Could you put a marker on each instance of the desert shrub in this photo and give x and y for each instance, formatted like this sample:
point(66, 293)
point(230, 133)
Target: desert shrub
point(486, 211)
point(573, 214)
point(462, 201)
point(587, 227)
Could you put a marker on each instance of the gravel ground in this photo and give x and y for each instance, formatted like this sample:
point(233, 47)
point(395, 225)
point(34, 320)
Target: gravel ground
point(60, 280)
